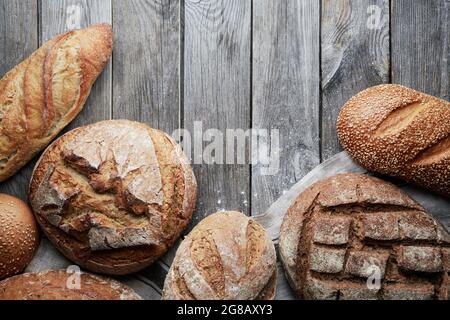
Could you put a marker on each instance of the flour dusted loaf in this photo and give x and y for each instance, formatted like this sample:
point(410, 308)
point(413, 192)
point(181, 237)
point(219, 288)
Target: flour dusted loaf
point(399, 132)
point(113, 196)
point(19, 236)
point(60, 285)
point(40, 96)
point(227, 256)
point(351, 228)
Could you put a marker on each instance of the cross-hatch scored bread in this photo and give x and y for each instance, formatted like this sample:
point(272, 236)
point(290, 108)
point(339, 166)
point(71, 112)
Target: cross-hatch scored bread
point(113, 196)
point(351, 228)
point(61, 285)
point(399, 132)
point(227, 256)
point(44, 93)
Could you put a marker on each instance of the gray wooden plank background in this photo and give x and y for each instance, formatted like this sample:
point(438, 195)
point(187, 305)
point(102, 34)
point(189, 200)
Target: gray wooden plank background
point(287, 65)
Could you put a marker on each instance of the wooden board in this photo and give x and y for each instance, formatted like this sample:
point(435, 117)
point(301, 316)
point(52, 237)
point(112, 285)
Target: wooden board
point(436, 205)
point(147, 62)
point(355, 56)
point(421, 45)
point(286, 93)
point(216, 91)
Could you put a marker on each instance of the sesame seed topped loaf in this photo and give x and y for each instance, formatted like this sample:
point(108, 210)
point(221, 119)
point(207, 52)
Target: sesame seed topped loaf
point(19, 236)
point(355, 237)
point(113, 196)
point(60, 285)
point(43, 94)
point(399, 132)
point(227, 256)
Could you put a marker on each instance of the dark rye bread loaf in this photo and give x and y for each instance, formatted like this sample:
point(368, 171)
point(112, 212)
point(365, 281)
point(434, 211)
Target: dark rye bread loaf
point(351, 228)
point(113, 196)
point(44, 93)
point(227, 256)
point(399, 132)
point(59, 285)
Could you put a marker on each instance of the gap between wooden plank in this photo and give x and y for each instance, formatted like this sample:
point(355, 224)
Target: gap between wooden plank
point(355, 55)
point(286, 92)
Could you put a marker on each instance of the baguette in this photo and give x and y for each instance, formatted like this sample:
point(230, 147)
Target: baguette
point(397, 131)
point(44, 93)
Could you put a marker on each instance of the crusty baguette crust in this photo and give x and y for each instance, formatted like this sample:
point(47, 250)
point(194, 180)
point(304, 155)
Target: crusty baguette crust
point(353, 217)
point(227, 256)
point(43, 94)
point(113, 196)
point(399, 132)
point(53, 285)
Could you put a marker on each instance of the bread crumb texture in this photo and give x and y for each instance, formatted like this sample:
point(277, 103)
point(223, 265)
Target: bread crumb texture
point(227, 256)
point(357, 237)
point(399, 132)
point(60, 285)
point(113, 196)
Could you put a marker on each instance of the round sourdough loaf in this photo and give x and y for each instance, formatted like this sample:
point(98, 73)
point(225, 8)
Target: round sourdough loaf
point(357, 237)
point(227, 256)
point(60, 285)
point(19, 237)
point(113, 196)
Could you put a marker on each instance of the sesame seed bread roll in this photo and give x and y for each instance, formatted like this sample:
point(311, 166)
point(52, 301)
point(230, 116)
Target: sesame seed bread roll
point(227, 256)
point(397, 131)
point(60, 285)
point(19, 236)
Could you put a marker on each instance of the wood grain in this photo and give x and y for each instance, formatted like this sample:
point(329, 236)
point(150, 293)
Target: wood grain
point(286, 89)
point(355, 56)
point(421, 45)
point(216, 86)
point(18, 40)
point(147, 62)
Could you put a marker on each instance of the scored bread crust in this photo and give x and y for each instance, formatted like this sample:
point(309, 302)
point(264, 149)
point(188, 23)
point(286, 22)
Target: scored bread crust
point(44, 93)
point(113, 196)
point(227, 256)
point(399, 132)
point(62, 285)
point(339, 227)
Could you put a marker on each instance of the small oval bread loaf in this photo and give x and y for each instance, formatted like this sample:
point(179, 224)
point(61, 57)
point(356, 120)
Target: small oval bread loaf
point(113, 196)
point(345, 233)
point(19, 236)
point(227, 256)
point(44, 93)
point(399, 132)
point(60, 285)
